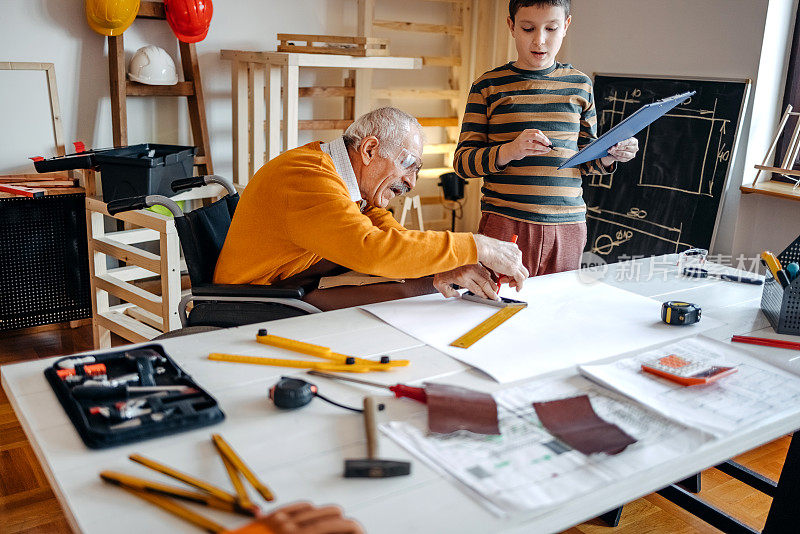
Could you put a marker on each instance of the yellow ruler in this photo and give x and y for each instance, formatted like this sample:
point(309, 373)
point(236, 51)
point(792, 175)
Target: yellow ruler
point(502, 315)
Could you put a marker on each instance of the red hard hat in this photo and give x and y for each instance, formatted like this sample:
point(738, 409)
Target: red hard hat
point(189, 19)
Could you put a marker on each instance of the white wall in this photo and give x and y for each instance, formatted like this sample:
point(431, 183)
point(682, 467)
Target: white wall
point(702, 38)
point(56, 31)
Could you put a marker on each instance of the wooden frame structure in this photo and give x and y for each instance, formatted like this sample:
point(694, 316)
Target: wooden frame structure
point(334, 44)
point(776, 188)
point(58, 136)
point(265, 126)
point(141, 315)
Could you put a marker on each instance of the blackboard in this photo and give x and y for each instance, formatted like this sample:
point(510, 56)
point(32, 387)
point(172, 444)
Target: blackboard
point(669, 197)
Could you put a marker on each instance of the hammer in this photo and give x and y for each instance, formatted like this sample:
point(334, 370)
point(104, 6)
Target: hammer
point(371, 466)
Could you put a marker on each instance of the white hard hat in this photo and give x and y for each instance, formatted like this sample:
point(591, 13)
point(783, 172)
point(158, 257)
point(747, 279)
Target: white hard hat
point(153, 66)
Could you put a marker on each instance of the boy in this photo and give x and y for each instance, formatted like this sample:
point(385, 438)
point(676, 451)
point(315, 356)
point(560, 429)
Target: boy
point(522, 121)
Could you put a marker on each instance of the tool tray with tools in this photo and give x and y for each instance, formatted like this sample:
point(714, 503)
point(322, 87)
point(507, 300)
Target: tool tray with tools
point(130, 395)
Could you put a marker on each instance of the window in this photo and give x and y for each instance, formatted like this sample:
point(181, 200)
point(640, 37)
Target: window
point(791, 97)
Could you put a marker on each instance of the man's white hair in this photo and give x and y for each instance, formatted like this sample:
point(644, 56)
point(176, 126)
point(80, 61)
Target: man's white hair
point(393, 128)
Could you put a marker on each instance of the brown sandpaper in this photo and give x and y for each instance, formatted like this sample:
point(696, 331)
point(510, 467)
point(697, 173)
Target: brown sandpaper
point(575, 422)
point(452, 408)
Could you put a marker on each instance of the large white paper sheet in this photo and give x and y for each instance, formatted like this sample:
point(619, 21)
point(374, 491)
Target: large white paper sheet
point(567, 322)
point(756, 392)
point(526, 468)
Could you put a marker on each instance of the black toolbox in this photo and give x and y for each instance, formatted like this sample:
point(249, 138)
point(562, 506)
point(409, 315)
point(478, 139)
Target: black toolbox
point(103, 396)
point(144, 169)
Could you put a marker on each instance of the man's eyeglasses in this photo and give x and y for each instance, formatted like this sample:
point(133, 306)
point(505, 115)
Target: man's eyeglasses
point(408, 162)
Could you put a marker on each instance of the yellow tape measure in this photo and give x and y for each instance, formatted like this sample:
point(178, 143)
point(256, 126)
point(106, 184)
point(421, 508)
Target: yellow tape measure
point(502, 315)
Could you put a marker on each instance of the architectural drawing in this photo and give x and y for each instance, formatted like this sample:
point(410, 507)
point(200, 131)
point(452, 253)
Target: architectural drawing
point(715, 148)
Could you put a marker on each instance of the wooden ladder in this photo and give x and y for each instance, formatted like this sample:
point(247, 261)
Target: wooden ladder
point(191, 88)
point(459, 32)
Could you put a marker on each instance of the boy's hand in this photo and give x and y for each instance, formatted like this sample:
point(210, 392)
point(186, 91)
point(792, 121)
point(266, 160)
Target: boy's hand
point(623, 151)
point(529, 143)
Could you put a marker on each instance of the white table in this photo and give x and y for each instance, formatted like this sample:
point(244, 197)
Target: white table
point(300, 453)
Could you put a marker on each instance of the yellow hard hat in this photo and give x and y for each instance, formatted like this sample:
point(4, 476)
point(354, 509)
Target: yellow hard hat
point(111, 17)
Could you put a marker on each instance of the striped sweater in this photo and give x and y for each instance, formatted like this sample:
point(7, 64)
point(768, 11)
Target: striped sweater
point(504, 102)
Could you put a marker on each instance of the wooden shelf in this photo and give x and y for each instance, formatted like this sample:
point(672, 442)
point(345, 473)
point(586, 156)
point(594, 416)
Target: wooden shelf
point(773, 188)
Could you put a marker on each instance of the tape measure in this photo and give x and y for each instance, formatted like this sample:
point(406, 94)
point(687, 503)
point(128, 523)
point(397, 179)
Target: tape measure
point(676, 312)
point(502, 315)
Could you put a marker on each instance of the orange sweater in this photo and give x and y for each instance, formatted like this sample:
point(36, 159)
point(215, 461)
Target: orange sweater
point(296, 211)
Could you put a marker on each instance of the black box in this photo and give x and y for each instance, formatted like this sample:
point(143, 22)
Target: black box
point(145, 169)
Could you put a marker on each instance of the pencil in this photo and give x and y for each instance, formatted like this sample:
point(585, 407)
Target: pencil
point(236, 480)
point(132, 482)
point(778, 343)
point(183, 477)
point(226, 451)
point(178, 510)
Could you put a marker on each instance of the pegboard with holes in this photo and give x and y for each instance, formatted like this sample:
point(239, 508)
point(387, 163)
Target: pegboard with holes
point(44, 265)
point(782, 305)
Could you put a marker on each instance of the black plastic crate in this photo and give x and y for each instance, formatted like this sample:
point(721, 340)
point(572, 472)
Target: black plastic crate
point(782, 305)
point(145, 169)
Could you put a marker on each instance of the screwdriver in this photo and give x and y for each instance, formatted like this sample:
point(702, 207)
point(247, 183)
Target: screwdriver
point(399, 390)
point(122, 391)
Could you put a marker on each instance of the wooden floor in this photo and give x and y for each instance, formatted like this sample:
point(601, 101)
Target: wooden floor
point(27, 504)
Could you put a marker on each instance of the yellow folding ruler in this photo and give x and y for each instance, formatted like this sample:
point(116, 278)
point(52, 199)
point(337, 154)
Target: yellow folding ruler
point(502, 315)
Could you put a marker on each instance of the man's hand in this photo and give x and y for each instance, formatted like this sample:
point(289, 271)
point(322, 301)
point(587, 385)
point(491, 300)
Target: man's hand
point(502, 257)
point(529, 143)
point(623, 151)
point(476, 278)
point(302, 518)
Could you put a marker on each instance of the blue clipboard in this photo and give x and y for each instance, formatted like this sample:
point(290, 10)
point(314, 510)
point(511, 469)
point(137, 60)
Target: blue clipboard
point(630, 126)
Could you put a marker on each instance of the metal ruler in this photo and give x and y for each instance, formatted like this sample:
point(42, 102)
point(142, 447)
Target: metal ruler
point(502, 315)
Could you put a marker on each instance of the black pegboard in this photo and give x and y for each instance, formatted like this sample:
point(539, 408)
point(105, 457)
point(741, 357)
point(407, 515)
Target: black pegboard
point(44, 266)
point(782, 305)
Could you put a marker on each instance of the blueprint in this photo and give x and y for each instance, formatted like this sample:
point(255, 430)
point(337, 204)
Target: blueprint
point(755, 393)
point(526, 468)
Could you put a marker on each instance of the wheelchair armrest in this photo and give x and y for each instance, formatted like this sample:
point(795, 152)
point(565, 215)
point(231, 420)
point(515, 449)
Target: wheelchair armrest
point(247, 290)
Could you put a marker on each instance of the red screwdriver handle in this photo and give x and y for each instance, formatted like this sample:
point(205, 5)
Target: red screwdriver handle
point(418, 394)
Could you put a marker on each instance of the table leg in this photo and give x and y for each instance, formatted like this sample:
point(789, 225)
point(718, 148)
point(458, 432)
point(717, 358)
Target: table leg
point(611, 518)
point(784, 515)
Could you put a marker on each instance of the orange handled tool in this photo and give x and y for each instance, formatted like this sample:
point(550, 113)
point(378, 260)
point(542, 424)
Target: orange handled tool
point(91, 370)
point(399, 390)
point(504, 278)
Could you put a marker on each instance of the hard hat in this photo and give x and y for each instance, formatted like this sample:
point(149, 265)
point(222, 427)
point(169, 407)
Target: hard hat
point(152, 65)
point(111, 17)
point(189, 19)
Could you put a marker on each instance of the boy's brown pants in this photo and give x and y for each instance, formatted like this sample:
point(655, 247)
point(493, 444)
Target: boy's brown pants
point(546, 248)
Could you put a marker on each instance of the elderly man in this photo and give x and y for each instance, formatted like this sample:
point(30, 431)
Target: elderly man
point(322, 206)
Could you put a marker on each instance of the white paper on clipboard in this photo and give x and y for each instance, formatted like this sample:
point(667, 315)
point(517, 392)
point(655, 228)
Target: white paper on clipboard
point(630, 126)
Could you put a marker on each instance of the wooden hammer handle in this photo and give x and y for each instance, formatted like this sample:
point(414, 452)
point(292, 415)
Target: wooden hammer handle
point(370, 426)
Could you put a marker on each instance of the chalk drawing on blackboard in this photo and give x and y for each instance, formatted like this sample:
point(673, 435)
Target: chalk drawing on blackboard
point(635, 224)
point(689, 183)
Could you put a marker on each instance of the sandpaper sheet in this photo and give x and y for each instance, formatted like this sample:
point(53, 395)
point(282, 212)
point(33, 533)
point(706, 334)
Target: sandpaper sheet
point(574, 421)
point(452, 408)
